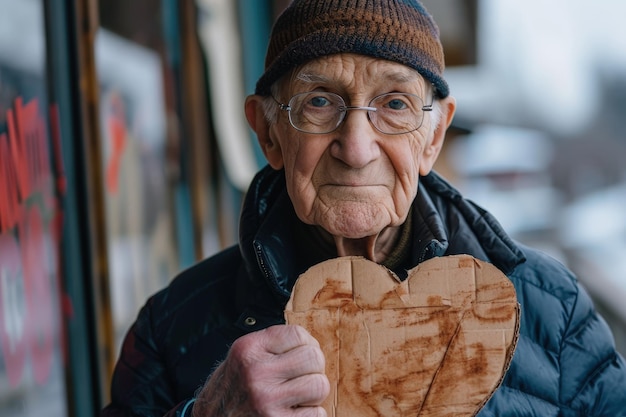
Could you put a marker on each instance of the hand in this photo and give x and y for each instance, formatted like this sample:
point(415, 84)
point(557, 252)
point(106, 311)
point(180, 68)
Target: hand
point(276, 372)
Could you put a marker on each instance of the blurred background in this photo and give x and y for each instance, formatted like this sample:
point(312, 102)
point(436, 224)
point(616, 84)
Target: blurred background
point(124, 157)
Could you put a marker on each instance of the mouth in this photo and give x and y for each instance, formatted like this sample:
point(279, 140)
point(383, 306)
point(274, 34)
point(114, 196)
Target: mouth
point(352, 185)
point(354, 181)
point(348, 184)
point(355, 192)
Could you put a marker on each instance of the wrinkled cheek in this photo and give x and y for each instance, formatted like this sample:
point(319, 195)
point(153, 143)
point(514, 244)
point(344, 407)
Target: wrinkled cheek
point(406, 165)
point(303, 200)
point(404, 194)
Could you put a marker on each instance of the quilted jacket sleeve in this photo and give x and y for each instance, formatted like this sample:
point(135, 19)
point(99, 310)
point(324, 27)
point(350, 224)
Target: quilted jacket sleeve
point(140, 385)
point(593, 374)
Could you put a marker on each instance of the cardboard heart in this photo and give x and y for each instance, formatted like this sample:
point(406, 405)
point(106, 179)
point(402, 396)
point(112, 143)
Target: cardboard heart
point(435, 344)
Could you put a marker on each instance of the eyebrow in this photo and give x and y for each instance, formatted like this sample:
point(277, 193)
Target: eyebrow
point(395, 76)
point(404, 77)
point(312, 78)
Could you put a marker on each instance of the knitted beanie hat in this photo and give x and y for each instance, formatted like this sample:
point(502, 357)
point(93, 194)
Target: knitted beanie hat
point(396, 30)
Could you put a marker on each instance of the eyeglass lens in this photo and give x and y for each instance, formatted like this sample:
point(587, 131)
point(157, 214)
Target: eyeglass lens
point(323, 112)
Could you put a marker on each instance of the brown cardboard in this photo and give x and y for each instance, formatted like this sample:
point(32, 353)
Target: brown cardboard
point(436, 344)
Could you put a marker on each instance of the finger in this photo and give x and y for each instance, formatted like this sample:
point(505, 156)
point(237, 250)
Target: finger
point(260, 346)
point(306, 390)
point(283, 338)
point(309, 412)
point(299, 361)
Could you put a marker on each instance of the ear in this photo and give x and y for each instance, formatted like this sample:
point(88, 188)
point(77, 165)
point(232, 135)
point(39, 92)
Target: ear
point(432, 150)
point(257, 121)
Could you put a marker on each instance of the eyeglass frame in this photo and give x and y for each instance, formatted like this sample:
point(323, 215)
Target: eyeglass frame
point(344, 111)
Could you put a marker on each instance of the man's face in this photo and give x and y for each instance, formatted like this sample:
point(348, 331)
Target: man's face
point(354, 181)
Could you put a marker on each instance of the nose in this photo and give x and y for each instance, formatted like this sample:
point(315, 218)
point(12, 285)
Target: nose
point(356, 139)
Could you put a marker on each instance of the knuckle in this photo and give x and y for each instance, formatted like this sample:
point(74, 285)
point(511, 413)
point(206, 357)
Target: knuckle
point(302, 336)
point(319, 386)
point(315, 356)
point(299, 333)
point(240, 347)
point(312, 389)
point(314, 412)
point(246, 352)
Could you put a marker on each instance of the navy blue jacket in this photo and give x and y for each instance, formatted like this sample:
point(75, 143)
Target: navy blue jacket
point(565, 363)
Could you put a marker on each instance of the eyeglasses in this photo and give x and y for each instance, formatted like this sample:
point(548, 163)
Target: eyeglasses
point(320, 112)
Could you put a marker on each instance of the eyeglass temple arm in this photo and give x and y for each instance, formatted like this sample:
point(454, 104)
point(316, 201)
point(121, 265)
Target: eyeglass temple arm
point(281, 106)
point(429, 107)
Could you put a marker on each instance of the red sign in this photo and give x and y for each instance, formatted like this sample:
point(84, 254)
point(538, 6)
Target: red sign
point(29, 244)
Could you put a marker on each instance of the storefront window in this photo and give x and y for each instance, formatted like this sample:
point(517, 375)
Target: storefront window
point(140, 155)
point(31, 337)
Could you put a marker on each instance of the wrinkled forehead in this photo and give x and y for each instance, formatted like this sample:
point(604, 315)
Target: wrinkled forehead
point(341, 71)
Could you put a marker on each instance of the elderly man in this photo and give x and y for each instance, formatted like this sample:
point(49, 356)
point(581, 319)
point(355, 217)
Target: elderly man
point(351, 114)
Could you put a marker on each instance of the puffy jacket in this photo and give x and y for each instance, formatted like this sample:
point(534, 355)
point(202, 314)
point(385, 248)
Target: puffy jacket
point(565, 363)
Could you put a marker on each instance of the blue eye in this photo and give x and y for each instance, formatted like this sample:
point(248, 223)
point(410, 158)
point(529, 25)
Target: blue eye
point(319, 101)
point(396, 104)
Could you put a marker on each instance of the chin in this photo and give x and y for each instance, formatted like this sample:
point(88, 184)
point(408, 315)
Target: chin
point(354, 220)
point(353, 231)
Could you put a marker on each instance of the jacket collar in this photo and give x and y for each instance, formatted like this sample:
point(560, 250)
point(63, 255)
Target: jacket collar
point(469, 228)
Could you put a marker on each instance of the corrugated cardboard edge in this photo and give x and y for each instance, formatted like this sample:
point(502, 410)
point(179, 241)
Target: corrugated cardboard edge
point(509, 359)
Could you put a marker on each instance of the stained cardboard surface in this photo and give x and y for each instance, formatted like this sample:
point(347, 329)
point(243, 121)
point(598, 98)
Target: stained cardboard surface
point(436, 344)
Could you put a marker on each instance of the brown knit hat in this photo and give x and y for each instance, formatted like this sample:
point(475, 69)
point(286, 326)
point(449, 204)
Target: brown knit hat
point(396, 30)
